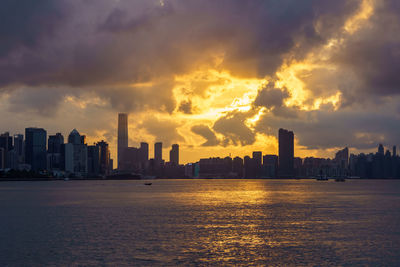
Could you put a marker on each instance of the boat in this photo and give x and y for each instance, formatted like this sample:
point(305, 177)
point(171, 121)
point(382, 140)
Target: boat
point(148, 183)
point(340, 179)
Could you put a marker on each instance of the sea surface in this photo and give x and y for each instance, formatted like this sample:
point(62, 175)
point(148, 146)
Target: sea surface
point(200, 223)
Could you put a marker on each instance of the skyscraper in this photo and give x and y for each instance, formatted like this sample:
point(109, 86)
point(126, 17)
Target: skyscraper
point(257, 162)
point(35, 148)
point(158, 152)
point(77, 161)
point(122, 136)
point(381, 150)
point(174, 154)
point(394, 154)
point(286, 153)
point(55, 157)
point(144, 152)
point(104, 157)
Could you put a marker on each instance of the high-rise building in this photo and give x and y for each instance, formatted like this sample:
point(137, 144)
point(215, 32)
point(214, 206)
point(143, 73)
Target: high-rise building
point(158, 152)
point(55, 157)
point(286, 153)
point(104, 157)
point(394, 154)
point(270, 165)
point(78, 163)
point(381, 150)
point(257, 162)
point(19, 146)
point(2, 165)
point(35, 148)
point(6, 144)
point(342, 158)
point(144, 153)
point(174, 154)
point(237, 166)
point(122, 137)
point(93, 160)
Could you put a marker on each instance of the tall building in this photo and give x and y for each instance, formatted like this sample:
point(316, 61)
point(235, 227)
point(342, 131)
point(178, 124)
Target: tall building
point(104, 157)
point(270, 165)
point(55, 157)
point(342, 158)
point(174, 154)
point(77, 161)
point(381, 150)
point(144, 154)
point(17, 155)
point(286, 153)
point(122, 137)
point(257, 162)
point(6, 144)
point(394, 154)
point(35, 148)
point(19, 146)
point(158, 152)
point(93, 160)
point(237, 166)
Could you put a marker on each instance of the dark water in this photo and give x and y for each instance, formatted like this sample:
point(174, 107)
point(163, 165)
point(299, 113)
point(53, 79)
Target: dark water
point(200, 222)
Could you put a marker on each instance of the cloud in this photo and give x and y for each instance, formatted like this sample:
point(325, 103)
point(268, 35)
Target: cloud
point(271, 97)
point(207, 133)
point(162, 129)
point(322, 129)
point(232, 126)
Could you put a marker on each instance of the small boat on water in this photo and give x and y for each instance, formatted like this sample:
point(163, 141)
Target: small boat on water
point(148, 183)
point(340, 179)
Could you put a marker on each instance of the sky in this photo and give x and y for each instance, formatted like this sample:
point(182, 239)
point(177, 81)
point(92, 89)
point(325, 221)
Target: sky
point(217, 77)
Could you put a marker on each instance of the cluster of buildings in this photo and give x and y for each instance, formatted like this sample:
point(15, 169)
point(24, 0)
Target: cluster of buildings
point(53, 156)
point(135, 160)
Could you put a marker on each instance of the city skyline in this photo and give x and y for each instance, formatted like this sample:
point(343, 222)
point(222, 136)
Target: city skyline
point(76, 158)
point(321, 68)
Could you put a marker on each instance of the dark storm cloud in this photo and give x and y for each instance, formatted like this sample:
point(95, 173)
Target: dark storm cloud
point(103, 42)
point(25, 23)
point(186, 107)
point(271, 97)
point(207, 133)
point(234, 129)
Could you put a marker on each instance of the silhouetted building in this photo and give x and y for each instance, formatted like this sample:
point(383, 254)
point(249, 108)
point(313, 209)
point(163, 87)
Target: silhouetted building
point(35, 148)
point(104, 157)
point(215, 168)
point(394, 151)
point(270, 166)
point(249, 167)
point(93, 160)
point(381, 150)
point(6, 144)
point(77, 164)
point(286, 153)
point(237, 167)
point(17, 155)
point(2, 165)
point(158, 152)
point(144, 154)
point(174, 154)
point(122, 136)
point(55, 157)
point(257, 162)
point(131, 160)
